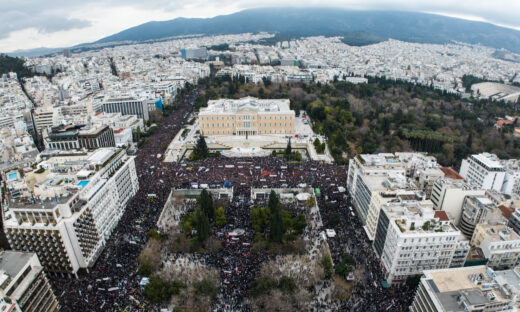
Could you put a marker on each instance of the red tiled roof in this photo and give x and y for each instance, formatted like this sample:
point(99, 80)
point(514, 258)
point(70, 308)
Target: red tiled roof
point(506, 211)
point(119, 130)
point(501, 122)
point(441, 215)
point(451, 173)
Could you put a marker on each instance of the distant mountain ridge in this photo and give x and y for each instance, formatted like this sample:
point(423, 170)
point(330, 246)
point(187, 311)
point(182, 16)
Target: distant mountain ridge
point(358, 27)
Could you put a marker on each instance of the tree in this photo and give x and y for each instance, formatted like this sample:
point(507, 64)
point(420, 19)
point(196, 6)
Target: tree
point(158, 290)
point(205, 288)
point(201, 149)
point(259, 218)
point(276, 229)
point(206, 204)
point(262, 286)
point(326, 264)
point(287, 284)
point(288, 149)
point(203, 227)
point(220, 217)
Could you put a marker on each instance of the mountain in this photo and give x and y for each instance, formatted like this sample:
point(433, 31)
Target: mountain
point(358, 27)
point(35, 52)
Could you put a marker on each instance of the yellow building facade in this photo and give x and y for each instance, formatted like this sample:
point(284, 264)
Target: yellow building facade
point(247, 116)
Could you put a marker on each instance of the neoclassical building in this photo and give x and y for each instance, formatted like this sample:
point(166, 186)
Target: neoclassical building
point(247, 116)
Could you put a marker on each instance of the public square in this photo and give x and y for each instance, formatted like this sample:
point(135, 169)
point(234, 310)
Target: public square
point(113, 283)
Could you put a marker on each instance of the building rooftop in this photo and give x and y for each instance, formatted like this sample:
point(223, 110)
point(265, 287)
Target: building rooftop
point(230, 106)
point(451, 173)
point(12, 262)
point(490, 161)
point(459, 289)
point(499, 232)
point(60, 177)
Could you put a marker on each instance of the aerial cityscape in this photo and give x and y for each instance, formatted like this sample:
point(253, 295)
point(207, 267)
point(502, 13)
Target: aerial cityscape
point(261, 159)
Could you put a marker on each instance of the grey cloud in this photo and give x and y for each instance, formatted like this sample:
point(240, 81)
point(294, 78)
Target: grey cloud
point(44, 22)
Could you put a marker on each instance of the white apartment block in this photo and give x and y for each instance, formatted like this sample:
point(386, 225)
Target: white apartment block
point(127, 106)
point(23, 284)
point(470, 289)
point(499, 244)
point(484, 171)
point(478, 209)
point(66, 209)
point(512, 179)
point(365, 172)
point(448, 195)
point(391, 196)
point(369, 175)
point(411, 238)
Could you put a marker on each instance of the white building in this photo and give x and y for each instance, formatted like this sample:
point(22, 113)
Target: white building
point(411, 238)
point(484, 171)
point(499, 244)
point(478, 209)
point(512, 179)
point(23, 284)
point(372, 175)
point(66, 210)
point(139, 107)
point(448, 195)
point(470, 289)
point(362, 174)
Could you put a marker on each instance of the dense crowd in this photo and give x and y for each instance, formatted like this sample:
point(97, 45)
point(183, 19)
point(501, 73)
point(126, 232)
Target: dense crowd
point(113, 283)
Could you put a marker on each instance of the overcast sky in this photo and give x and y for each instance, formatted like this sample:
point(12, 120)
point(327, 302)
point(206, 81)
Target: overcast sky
point(27, 24)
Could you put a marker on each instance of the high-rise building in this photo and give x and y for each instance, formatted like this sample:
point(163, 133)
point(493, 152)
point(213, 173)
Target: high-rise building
point(411, 238)
point(195, 53)
point(470, 289)
point(384, 174)
point(366, 175)
point(67, 208)
point(23, 284)
point(247, 116)
point(483, 171)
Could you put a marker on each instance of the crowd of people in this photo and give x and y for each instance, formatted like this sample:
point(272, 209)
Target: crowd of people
point(113, 283)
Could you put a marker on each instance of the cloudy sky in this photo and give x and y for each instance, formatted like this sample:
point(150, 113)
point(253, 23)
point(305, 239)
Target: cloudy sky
point(28, 24)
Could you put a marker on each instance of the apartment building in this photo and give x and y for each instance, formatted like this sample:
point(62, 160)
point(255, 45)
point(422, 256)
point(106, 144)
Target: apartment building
point(478, 209)
point(411, 238)
point(448, 195)
point(66, 209)
point(247, 116)
point(23, 284)
point(365, 177)
point(391, 196)
point(67, 137)
point(127, 106)
point(499, 244)
point(512, 179)
point(470, 289)
point(372, 179)
point(483, 171)
point(44, 117)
